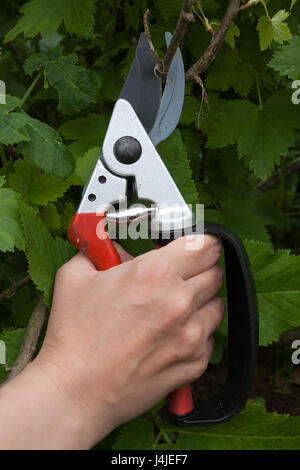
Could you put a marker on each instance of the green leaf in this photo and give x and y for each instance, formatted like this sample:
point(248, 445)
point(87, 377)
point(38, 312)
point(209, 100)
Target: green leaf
point(76, 86)
point(136, 435)
point(44, 253)
point(44, 17)
point(85, 166)
point(190, 111)
point(175, 158)
point(85, 132)
point(286, 60)
point(233, 32)
point(50, 216)
point(46, 150)
point(228, 71)
point(11, 234)
point(170, 8)
point(277, 282)
point(273, 29)
point(252, 429)
point(12, 340)
point(12, 125)
point(262, 135)
point(36, 186)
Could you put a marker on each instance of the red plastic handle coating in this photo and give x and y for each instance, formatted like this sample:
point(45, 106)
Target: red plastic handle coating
point(180, 401)
point(88, 233)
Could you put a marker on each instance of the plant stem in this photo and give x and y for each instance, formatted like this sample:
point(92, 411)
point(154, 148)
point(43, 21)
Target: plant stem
point(266, 10)
point(29, 91)
point(156, 440)
point(259, 94)
point(3, 156)
point(282, 181)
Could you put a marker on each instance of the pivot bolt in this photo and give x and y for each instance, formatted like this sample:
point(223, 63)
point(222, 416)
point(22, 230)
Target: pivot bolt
point(127, 150)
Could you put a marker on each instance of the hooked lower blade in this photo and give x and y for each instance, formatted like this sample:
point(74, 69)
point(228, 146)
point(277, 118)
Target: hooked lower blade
point(142, 88)
point(172, 100)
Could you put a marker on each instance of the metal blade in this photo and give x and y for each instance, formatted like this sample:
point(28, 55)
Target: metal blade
point(142, 88)
point(172, 100)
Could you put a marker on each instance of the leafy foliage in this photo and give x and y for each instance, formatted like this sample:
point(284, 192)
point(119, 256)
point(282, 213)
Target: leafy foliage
point(64, 64)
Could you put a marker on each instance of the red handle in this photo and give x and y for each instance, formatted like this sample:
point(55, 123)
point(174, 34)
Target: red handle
point(87, 232)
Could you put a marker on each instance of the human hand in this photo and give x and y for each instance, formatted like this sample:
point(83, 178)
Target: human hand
point(119, 341)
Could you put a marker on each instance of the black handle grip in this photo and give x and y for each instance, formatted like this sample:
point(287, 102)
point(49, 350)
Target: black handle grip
point(242, 335)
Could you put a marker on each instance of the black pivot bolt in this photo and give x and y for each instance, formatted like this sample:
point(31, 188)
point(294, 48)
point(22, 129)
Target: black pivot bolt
point(127, 150)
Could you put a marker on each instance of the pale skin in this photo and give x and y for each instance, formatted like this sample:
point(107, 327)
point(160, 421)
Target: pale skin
point(117, 342)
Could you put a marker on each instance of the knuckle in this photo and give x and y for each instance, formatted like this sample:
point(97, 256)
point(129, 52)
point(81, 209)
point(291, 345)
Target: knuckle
point(219, 306)
point(217, 274)
point(181, 305)
point(192, 338)
point(213, 243)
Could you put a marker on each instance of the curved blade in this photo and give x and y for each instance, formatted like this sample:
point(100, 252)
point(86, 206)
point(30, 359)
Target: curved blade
point(172, 100)
point(142, 88)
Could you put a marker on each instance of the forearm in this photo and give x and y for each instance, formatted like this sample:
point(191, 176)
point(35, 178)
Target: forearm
point(36, 413)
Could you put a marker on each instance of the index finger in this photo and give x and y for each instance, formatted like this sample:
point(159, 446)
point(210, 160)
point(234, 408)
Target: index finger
point(190, 261)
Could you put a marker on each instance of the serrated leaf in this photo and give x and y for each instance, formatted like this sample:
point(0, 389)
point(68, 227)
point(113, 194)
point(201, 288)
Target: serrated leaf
point(36, 186)
point(136, 435)
point(273, 29)
point(228, 71)
point(44, 17)
point(44, 253)
point(190, 111)
point(86, 133)
point(175, 158)
point(233, 32)
point(12, 340)
point(50, 216)
point(35, 62)
point(262, 135)
point(252, 429)
point(277, 282)
point(12, 124)
point(76, 85)
point(46, 150)
point(11, 234)
point(170, 8)
point(286, 60)
point(85, 166)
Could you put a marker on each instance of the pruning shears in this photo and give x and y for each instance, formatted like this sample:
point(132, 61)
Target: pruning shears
point(130, 167)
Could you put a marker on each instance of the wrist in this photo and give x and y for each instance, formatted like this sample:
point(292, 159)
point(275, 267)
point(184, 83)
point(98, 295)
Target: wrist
point(73, 391)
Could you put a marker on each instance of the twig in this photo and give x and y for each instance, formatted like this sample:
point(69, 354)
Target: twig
point(30, 340)
point(15, 53)
point(272, 182)
point(204, 99)
point(11, 291)
point(248, 5)
point(11, 151)
point(151, 45)
point(186, 17)
point(217, 40)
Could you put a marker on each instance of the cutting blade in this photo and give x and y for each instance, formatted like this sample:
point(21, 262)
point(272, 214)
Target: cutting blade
point(142, 88)
point(172, 100)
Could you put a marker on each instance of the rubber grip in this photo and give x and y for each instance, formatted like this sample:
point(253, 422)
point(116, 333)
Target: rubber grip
point(242, 340)
point(88, 233)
